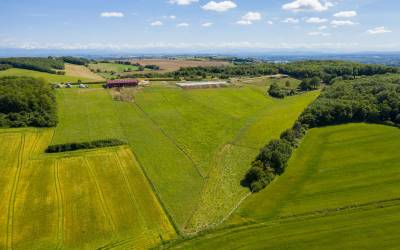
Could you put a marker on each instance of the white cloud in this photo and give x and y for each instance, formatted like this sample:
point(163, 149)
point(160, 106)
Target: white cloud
point(249, 18)
point(307, 5)
point(244, 22)
point(323, 27)
point(182, 25)
point(316, 20)
point(337, 23)
point(318, 33)
point(182, 2)
point(207, 24)
point(193, 46)
point(112, 14)
point(346, 14)
point(291, 20)
point(378, 30)
point(270, 22)
point(172, 17)
point(220, 6)
point(156, 23)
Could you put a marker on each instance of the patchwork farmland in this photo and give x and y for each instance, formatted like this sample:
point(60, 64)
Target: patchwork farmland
point(212, 134)
point(238, 166)
point(325, 197)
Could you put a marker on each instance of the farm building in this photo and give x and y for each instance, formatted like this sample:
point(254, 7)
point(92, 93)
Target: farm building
point(201, 85)
point(278, 76)
point(121, 83)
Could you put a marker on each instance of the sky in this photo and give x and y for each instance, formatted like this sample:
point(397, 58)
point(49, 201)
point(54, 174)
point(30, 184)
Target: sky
point(201, 25)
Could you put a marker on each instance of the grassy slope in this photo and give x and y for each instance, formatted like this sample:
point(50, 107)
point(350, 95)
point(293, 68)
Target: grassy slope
point(184, 135)
point(341, 190)
point(74, 200)
point(82, 71)
point(52, 78)
point(112, 67)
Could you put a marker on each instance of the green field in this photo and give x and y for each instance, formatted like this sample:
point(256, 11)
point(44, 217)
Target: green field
point(341, 190)
point(51, 78)
point(107, 68)
point(202, 141)
point(80, 200)
point(119, 68)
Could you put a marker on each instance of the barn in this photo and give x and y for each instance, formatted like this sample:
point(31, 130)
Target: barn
point(202, 85)
point(121, 83)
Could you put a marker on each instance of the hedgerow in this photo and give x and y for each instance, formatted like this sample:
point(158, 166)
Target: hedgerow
point(83, 145)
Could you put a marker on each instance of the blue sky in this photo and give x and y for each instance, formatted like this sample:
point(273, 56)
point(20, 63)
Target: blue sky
point(201, 25)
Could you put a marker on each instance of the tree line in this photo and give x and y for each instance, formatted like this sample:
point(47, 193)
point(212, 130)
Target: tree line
point(48, 65)
point(373, 99)
point(26, 101)
point(83, 145)
point(327, 71)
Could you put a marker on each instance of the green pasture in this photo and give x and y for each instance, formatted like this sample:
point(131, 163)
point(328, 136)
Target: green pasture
point(189, 143)
point(51, 78)
point(341, 190)
point(116, 67)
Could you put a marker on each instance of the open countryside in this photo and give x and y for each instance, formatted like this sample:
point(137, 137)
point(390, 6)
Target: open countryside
point(187, 124)
point(324, 198)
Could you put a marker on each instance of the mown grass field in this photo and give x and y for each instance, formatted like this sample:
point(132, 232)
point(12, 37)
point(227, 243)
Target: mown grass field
point(82, 71)
point(341, 191)
point(116, 67)
point(194, 146)
point(51, 78)
point(81, 200)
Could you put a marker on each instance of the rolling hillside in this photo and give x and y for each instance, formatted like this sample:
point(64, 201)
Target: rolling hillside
point(51, 78)
point(86, 199)
point(340, 191)
point(212, 135)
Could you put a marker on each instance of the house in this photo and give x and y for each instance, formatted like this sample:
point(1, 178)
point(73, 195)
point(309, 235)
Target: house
point(120, 83)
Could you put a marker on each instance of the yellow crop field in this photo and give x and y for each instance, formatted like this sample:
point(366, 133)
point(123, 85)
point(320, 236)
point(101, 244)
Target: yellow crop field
point(80, 200)
point(82, 71)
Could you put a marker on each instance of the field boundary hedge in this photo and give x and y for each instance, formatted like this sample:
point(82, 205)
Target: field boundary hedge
point(58, 148)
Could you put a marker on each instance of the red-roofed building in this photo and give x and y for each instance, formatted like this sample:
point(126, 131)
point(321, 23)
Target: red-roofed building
point(121, 83)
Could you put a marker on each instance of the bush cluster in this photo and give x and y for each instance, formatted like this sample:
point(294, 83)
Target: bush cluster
point(26, 101)
point(273, 158)
point(5, 67)
point(281, 92)
point(83, 145)
point(75, 60)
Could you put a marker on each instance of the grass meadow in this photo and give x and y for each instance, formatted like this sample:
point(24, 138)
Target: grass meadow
point(80, 200)
point(341, 191)
point(194, 146)
point(51, 78)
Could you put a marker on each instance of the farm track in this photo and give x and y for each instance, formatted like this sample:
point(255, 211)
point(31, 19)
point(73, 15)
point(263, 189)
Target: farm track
point(354, 208)
point(170, 138)
point(220, 153)
point(105, 208)
point(126, 243)
point(60, 206)
point(13, 196)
